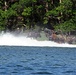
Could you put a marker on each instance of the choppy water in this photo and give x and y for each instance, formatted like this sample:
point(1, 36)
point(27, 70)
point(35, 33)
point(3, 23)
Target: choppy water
point(22, 60)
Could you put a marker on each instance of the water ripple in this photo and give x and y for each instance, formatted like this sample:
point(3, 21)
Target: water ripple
point(28, 68)
point(2, 72)
point(43, 73)
point(69, 71)
point(19, 65)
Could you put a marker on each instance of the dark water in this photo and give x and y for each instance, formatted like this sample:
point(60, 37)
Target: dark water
point(37, 61)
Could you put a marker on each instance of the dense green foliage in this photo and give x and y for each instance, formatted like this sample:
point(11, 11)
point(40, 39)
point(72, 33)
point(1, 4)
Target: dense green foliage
point(54, 14)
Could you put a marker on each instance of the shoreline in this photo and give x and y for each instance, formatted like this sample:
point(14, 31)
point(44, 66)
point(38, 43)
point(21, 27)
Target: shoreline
point(44, 35)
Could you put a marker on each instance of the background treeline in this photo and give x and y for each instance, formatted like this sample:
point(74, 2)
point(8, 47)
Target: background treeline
point(53, 14)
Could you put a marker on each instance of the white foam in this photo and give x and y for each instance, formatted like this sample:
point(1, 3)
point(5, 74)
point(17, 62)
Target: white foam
point(11, 40)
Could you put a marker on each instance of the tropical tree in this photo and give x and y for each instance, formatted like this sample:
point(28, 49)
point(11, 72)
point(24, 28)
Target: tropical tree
point(52, 14)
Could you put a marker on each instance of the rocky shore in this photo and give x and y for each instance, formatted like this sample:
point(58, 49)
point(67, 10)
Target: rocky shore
point(46, 34)
point(59, 38)
point(51, 35)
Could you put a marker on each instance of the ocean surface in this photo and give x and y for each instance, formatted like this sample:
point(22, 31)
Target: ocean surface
point(24, 60)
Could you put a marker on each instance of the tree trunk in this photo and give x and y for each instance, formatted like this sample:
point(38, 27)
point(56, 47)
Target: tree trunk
point(5, 3)
point(46, 6)
point(52, 2)
point(60, 1)
point(60, 20)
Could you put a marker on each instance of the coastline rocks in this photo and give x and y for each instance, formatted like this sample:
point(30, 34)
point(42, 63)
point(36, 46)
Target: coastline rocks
point(71, 40)
point(47, 34)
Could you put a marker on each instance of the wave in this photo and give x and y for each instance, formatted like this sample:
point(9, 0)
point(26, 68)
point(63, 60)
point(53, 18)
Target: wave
point(9, 39)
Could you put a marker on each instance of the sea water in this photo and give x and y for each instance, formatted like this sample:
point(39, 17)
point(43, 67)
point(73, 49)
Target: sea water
point(20, 60)
point(27, 56)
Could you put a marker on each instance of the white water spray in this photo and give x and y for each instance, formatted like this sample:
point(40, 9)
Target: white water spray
point(11, 40)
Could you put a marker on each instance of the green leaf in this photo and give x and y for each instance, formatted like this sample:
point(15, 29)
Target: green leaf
point(27, 11)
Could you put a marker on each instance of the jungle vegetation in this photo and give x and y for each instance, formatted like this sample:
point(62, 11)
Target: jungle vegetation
point(59, 15)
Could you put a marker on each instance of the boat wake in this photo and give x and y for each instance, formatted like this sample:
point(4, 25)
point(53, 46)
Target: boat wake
point(11, 40)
